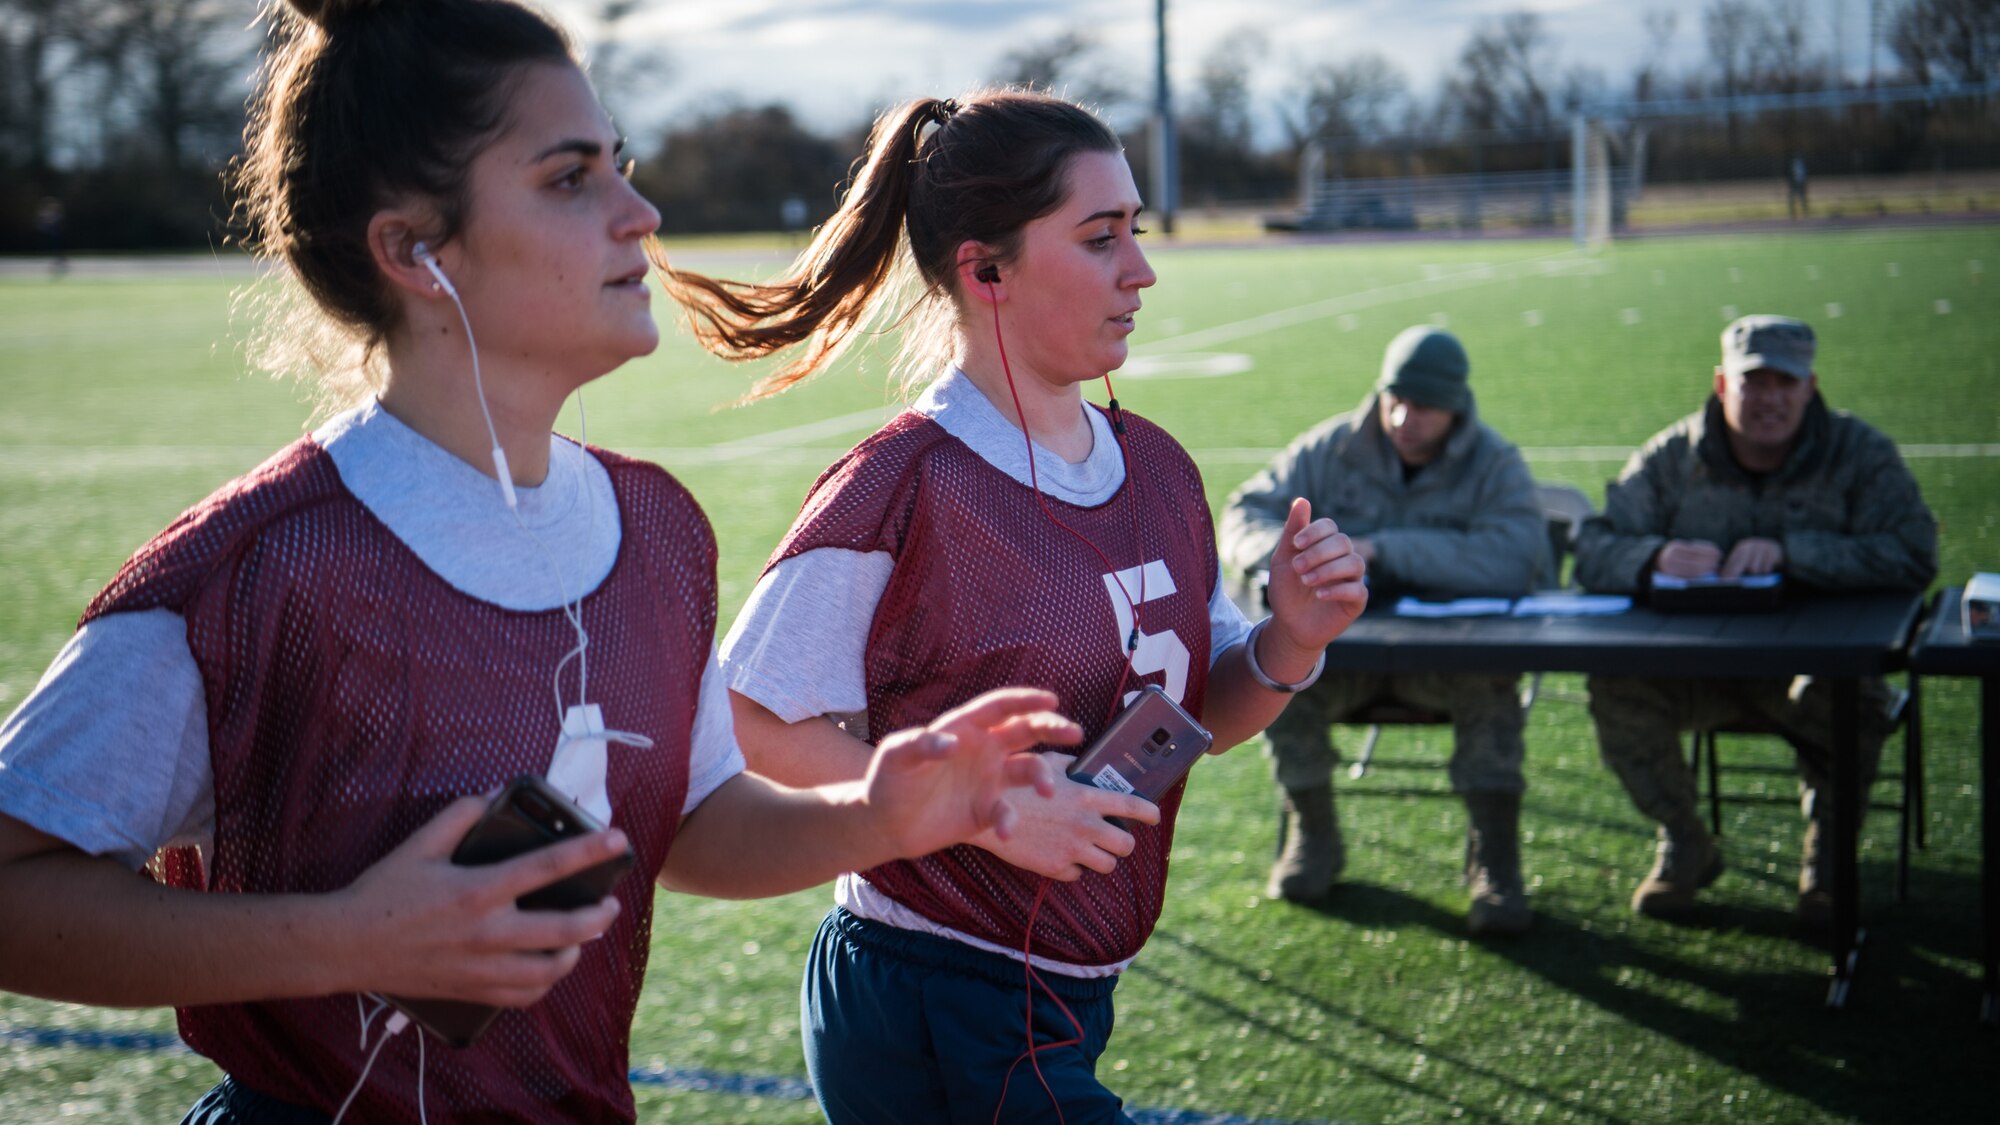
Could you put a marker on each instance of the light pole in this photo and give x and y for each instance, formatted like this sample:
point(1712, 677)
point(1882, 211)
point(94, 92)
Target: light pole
point(1166, 160)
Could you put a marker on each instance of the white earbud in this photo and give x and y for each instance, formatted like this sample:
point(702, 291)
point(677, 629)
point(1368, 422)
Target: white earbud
point(428, 260)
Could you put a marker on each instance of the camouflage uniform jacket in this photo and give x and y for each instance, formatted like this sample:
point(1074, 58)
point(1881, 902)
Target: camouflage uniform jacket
point(1844, 507)
point(1468, 523)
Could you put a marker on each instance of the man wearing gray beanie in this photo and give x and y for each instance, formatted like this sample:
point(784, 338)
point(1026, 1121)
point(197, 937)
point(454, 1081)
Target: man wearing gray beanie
point(1438, 504)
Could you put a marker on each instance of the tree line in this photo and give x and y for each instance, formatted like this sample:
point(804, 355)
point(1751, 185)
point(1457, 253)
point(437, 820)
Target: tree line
point(123, 112)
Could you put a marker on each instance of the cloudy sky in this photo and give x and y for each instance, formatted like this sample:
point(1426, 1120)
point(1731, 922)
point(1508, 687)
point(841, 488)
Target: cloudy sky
point(837, 61)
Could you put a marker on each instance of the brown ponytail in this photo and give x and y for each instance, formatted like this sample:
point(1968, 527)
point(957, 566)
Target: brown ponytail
point(994, 163)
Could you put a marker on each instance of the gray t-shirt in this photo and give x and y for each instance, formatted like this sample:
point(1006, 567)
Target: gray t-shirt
point(123, 772)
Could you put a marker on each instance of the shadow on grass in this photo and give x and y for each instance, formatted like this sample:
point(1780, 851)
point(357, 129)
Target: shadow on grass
point(1906, 1049)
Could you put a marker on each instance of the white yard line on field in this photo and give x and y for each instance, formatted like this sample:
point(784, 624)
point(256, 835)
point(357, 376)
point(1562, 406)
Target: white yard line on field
point(88, 461)
point(1548, 264)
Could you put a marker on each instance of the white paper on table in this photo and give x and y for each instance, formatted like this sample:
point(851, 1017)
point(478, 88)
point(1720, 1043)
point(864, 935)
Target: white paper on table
point(1572, 605)
point(1748, 582)
point(1460, 607)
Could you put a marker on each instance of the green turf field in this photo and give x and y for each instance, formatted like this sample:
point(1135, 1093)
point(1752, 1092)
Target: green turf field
point(127, 400)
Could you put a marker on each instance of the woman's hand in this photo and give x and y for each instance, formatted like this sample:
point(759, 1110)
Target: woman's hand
point(947, 783)
point(416, 924)
point(1316, 591)
point(1065, 833)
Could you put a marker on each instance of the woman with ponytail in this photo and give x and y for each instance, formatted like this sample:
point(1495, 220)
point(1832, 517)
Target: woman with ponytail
point(1000, 530)
point(238, 788)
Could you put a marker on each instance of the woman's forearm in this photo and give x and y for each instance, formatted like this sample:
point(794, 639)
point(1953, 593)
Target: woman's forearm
point(86, 930)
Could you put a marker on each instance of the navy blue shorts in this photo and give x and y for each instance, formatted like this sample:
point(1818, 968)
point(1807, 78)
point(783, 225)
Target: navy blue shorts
point(233, 1103)
point(906, 1027)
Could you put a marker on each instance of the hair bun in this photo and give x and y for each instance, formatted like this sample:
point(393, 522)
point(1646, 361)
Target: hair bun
point(326, 13)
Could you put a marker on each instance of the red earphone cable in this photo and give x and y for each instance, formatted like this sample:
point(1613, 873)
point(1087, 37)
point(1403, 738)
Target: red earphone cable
point(1029, 977)
point(1034, 482)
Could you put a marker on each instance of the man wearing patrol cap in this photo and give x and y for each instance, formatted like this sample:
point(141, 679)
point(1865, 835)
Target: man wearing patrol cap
point(1437, 503)
point(1763, 479)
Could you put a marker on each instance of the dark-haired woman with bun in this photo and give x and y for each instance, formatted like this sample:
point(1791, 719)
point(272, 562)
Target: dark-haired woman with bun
point(289, 707)
point(1000, 530)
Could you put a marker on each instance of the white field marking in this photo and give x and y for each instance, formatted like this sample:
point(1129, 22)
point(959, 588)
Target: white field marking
point(793, 436)
point(1735, 274)
point(1833, 310)
point(1169, 324)
point(1440, 320)
point(1975, 266)
point(1659, 277)
point(1812, 273)
point(1942, 306)
point(1729, 312)
point(1531, 317)
point(682, 456)
point(1628, 317)
point(1895, 269)
point(107, 460)
point(1186, 365)
point(1346, 322)
point(1980, 449)
point(1606, 453)
point(74, 462)
point(1565, 262)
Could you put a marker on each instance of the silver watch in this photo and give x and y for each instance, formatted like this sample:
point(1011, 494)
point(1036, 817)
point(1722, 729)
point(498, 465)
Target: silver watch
point(1263, 678)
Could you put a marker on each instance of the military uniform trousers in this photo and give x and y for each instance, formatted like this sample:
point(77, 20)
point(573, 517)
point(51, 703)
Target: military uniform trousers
point(1639, 725)
point(1486, 720)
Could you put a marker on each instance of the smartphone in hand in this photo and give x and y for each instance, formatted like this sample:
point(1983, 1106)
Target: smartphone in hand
point(1146, 749)
point(528, 814)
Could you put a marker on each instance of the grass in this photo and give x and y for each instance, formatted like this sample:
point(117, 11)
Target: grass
point(127, 402)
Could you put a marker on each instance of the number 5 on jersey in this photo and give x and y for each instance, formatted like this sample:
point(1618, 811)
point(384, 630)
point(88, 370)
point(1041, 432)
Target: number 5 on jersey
point(1157, 652)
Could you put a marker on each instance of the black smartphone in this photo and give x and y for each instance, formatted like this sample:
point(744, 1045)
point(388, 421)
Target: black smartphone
point(528, 814)
point(1146, 748)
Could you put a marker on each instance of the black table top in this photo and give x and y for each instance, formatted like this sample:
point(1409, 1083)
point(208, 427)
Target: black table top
point(1943, 649)
point(1859, 634)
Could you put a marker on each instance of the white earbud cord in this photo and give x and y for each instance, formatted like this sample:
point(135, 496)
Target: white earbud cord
point(572, 610)
point(394, 1027)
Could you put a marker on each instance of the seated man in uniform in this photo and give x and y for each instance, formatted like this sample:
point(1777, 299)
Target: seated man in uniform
point(1764, 479)
point(1438, 504)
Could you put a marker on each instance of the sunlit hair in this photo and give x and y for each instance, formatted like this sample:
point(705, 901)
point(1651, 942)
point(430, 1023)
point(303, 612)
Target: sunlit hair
point(361, 105)
point(936, 175)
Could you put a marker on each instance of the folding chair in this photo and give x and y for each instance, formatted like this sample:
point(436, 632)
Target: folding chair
point(1905, 711)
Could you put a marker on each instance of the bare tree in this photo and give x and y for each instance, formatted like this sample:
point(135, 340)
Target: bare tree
point(1222, 108)
point(1785, 61)
point(45, 43)
point(1066, 63)
point(1218, 151)
point(626, 73)
point(1363, 99)
point(183, 65)
point(1947, 40)
point(1733, 31)
point(1501, 79)
point(1651, 80)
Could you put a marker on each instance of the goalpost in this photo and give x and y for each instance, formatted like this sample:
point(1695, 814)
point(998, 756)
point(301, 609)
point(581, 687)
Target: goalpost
point(1590, 172)
point(1599, 130)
